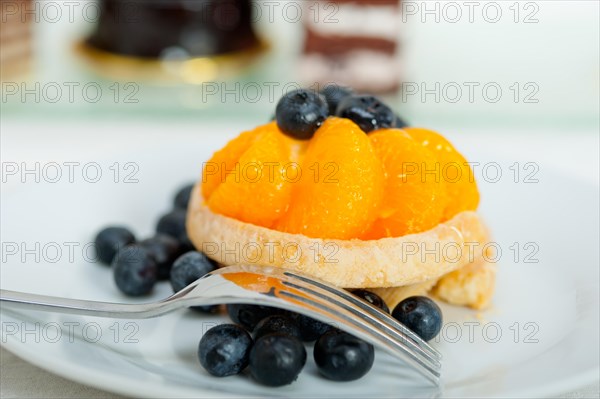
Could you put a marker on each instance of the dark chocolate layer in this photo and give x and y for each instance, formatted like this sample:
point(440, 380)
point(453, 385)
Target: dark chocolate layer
point(333, 44)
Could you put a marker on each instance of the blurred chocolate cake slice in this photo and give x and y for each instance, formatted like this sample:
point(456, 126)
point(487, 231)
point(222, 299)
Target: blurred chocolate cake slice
point(353, 43)
point(197, 28)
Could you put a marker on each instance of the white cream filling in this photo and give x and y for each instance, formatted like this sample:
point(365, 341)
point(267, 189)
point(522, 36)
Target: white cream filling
point(361, 69)
point(355, 20)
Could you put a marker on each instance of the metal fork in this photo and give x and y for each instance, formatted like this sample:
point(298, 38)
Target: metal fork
point(263, 286)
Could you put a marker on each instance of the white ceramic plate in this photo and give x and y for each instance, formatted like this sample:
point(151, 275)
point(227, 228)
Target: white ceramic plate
point(539, 338)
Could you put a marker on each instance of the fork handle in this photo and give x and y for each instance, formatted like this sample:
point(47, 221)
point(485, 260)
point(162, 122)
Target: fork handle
point(14, 299)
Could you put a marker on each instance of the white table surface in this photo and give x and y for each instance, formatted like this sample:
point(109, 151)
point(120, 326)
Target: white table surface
point(576, 153)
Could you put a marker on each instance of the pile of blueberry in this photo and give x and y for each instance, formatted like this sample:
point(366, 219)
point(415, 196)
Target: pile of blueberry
point(301, 112)
point(269, 341)
point(168, 255)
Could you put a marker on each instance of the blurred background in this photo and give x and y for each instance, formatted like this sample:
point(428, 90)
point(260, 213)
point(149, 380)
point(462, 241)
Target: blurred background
point(522, 63)
point(134, 87)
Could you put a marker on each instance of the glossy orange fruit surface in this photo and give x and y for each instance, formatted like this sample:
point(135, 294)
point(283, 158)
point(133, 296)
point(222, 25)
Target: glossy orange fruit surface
point(415, 196)
point(342, 183)
point(455, 171)
point(341, 188)
point(215, 170)
point(255, 189)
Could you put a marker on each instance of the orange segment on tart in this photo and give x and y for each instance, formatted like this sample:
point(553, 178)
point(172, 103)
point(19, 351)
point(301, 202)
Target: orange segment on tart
point(460, 181)
point(214, 171)
point(415, 196)
point(342, 183)
point(341, 188)
point(256, 189)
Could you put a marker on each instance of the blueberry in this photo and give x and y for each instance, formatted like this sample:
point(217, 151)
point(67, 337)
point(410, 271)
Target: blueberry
point(334, 94)
point(372, 298)
point(400, 123)
point(310, 329)
point(182, 198)
point(299, 113)
point(343, 357)
point(421, 315)
point(248, 316)
point(277, 359)
point(110, 240)
point(164, 249)
point(225, 350)
point(188, 268)
point(135, 270)
point(173, 224)
point(368, 112)
point(276, 324)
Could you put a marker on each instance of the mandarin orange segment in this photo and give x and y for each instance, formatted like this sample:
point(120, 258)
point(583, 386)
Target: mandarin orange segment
point(455, 171)
point(215, 169)
point(341, 187)
point(414, 194)
point(257, 190)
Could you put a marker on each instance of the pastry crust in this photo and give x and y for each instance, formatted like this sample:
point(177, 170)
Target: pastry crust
point(472, 285)
point(387, 262)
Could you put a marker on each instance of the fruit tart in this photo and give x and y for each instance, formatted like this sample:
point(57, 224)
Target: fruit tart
point(340, 188)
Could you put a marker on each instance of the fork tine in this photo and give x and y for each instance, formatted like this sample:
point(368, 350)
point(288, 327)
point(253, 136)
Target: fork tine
point(380, 318)
point(279, 287)
point(366, 331)
point(399, 337)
